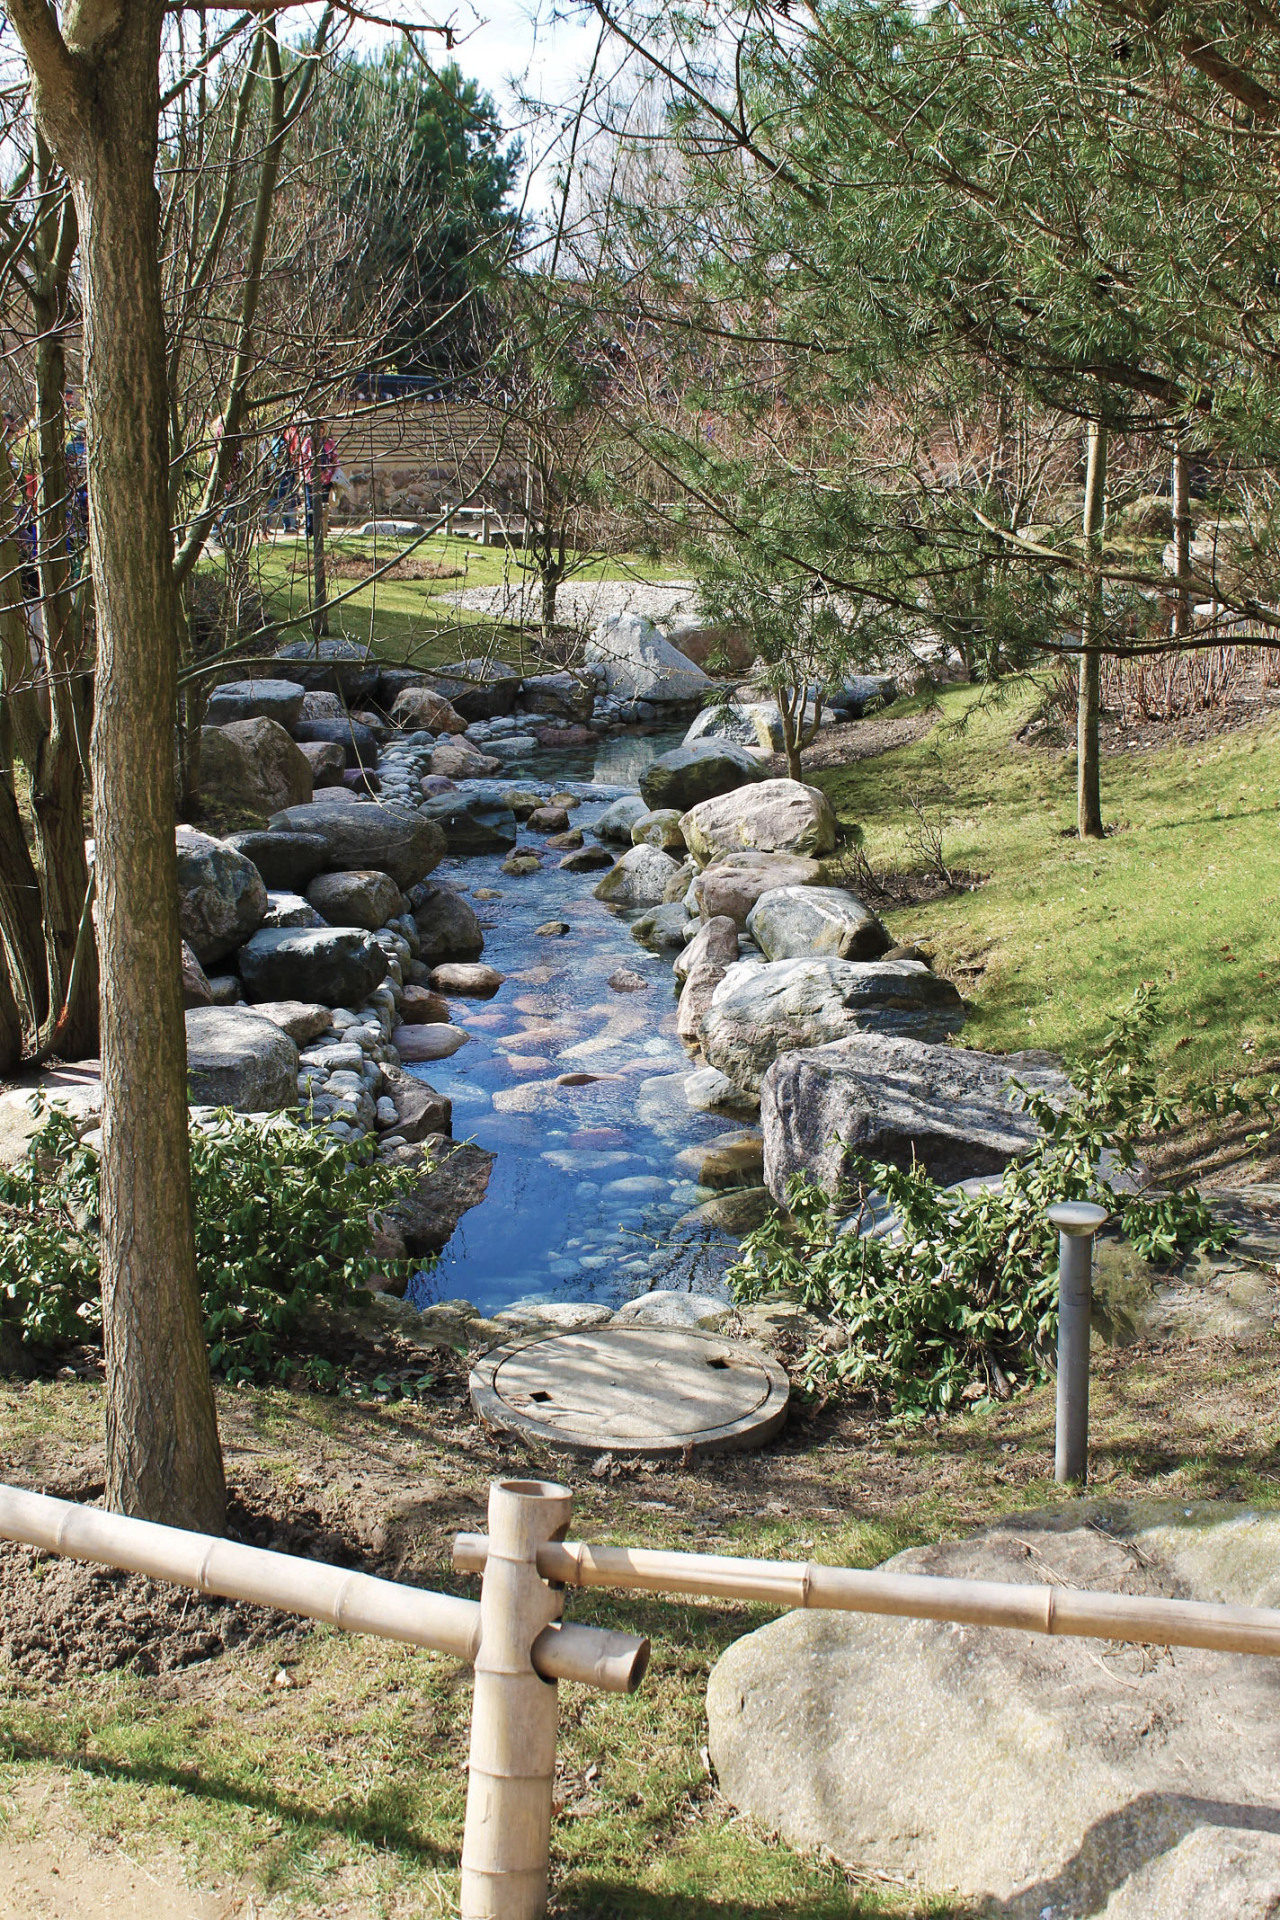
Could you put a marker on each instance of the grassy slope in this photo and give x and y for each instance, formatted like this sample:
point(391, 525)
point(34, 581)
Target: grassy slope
point(1185, 889)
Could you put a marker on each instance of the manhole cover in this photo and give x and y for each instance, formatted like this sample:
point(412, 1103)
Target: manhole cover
point(643, 1390)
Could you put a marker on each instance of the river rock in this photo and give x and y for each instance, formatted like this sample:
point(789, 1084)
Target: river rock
point(552, 929)
point(449, 1181)
point(335, 666)
point(733, 720)
point(196, 991)
point(736, 1160)
point(327, 761)
point(666, 1308)
point(710, 1091)
point(1025, 1773)
point(548, 820)
point(733, 883)
point(790, 922)
point(286, 861)
point(362, 897)
point(617, 820)
point(570, 694)
point(587, 860)
point(760, 1011)
point(359, 746)
point(433, 1042)
point(322, 706)
point(702, 966)
point(639, 664)
point(688, 775)
point(423, 710)
point(457, 759)
point(738, 1212)
point(221, 897)
point(338, 966)
point(466, 982)
point(479, 689)
point(390, 839)
point(302, 1020)
point(471, 825)
point(254, 763)
point(660, 828)
point(951, 1110)
point(775, 816)
point(419, 1006)
point(278, 700)
point(567, 842)
point(521, 865)
point(638, 879)
point(420, 1110)
point(863, 693)
point(285, 909)
point(663, 929)
point(237, 1059)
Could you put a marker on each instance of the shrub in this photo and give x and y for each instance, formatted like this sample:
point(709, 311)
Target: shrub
point(281, 1219)
point(959, 1296)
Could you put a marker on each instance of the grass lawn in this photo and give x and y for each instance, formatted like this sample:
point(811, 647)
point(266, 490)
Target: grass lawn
point(1184, 890)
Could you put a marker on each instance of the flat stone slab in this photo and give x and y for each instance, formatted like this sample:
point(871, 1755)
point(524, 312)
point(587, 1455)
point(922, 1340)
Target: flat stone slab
point(662, 1392)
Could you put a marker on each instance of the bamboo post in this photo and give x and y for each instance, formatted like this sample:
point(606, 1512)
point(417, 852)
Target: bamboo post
point(507, 1840)
point(1077, 1222)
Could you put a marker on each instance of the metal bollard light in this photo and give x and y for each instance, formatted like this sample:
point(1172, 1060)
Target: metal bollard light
point(1077, 1221)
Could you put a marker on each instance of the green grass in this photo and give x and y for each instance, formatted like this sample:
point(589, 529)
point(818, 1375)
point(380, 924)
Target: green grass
point(1184, 890)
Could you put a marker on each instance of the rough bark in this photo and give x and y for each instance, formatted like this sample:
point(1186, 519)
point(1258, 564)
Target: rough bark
point(98, 102)
point(1089, 703)
point(10, 1022)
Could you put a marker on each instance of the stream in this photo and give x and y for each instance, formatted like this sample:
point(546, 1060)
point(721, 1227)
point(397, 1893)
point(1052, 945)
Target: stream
point(588, 1186)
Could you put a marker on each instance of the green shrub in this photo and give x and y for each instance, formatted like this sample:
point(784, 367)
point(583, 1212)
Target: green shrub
point(282, 1219)
point(962, 1297)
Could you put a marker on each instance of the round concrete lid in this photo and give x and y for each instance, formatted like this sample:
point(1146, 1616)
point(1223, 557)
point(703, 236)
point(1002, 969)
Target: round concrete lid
point(657, 1391)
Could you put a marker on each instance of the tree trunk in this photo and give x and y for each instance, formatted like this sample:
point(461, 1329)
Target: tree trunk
point(21, 934)
point(100, 110)
point(10, 1022)
point(320, 589)
point(550, 592)
point(1181, 490)
point(1089, 704)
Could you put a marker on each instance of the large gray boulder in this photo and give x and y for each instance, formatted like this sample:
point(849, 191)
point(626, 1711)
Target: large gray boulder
point(449, 1181)
point(424, 710)
point(392, 839)
point(863, 693)
point(286, 861)
point(337, 966)
point(335, 666)
point(571, 695)
point(1021, 1773)
point(639, 664)
point(638, 879)
point(359, 747)
point(777, 816)
point(729, 720)
point(255, 764)
point(471, 825)
point(790, 922)
point(663, 929)
point(363, 898)
point(478, 689)
point(278, 700)
point(221, 896)
point(687, 775)
point(616, 822)
point(733, 884)
point(760, 1011)
point(953, 1112)
point(702, 965)
point(448, 927)
point(240, 1060)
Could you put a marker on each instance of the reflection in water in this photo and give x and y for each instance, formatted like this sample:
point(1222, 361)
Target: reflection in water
point(586, 1190)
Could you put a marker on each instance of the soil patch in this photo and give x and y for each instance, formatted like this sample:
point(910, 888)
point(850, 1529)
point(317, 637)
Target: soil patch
point(360, 566)
point(1254, 704)
point(840, 745)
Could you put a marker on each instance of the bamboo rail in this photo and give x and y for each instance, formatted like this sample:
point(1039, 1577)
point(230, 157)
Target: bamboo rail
point(917, 1596)
point(356, 1602)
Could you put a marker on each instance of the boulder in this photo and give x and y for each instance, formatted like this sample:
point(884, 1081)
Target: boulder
point(286, 861)
point(471, 825)
point(435, 1041)
point(680, 882)
point(733, 884)
point(570, 694)
point(237, 1059)
point(450, 1180)
point(302, 1020)
point(337, 966)
point(688, 775)
point(358, 744)
point(420, 1110)
point(664, 1307)
point(790, 922)
point(734, 1160)
point(466, 981)
point(952, 1111)
point(661, 828)
point(710, 1091)
point(359, 898)
point(617, 820)
point(447, 926)
point(221, 898)
point(335, 666)
point(327, 761)
point(863, 693)
point(775, 816)
point(567, 842)
point(391, 839)
point(664, 929)
point(702, 965)
point(548, 820)
point(423, 710)
point(521, 865)
point(639, 664)
point(322, 706)
point(196, 991)
point(587, 860)
point(291, 910)
point(522, 801)
point(731, 720)
point(478, 689)
point(1023, 1773)
point(638, 879)
point(254, 764)
point(419, 1006)
point(760, 1011)
point(278, 700)
point(457, 759)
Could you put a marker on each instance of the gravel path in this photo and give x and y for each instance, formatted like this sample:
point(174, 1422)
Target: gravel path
point(582, 603)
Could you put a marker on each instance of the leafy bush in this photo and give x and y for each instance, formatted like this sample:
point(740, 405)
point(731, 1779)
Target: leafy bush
point(282, 1219)
point(962, 1292)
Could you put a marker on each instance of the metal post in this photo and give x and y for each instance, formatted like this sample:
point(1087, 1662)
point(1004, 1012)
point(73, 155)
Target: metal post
point(1077, 1221)
point(506, 1844)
